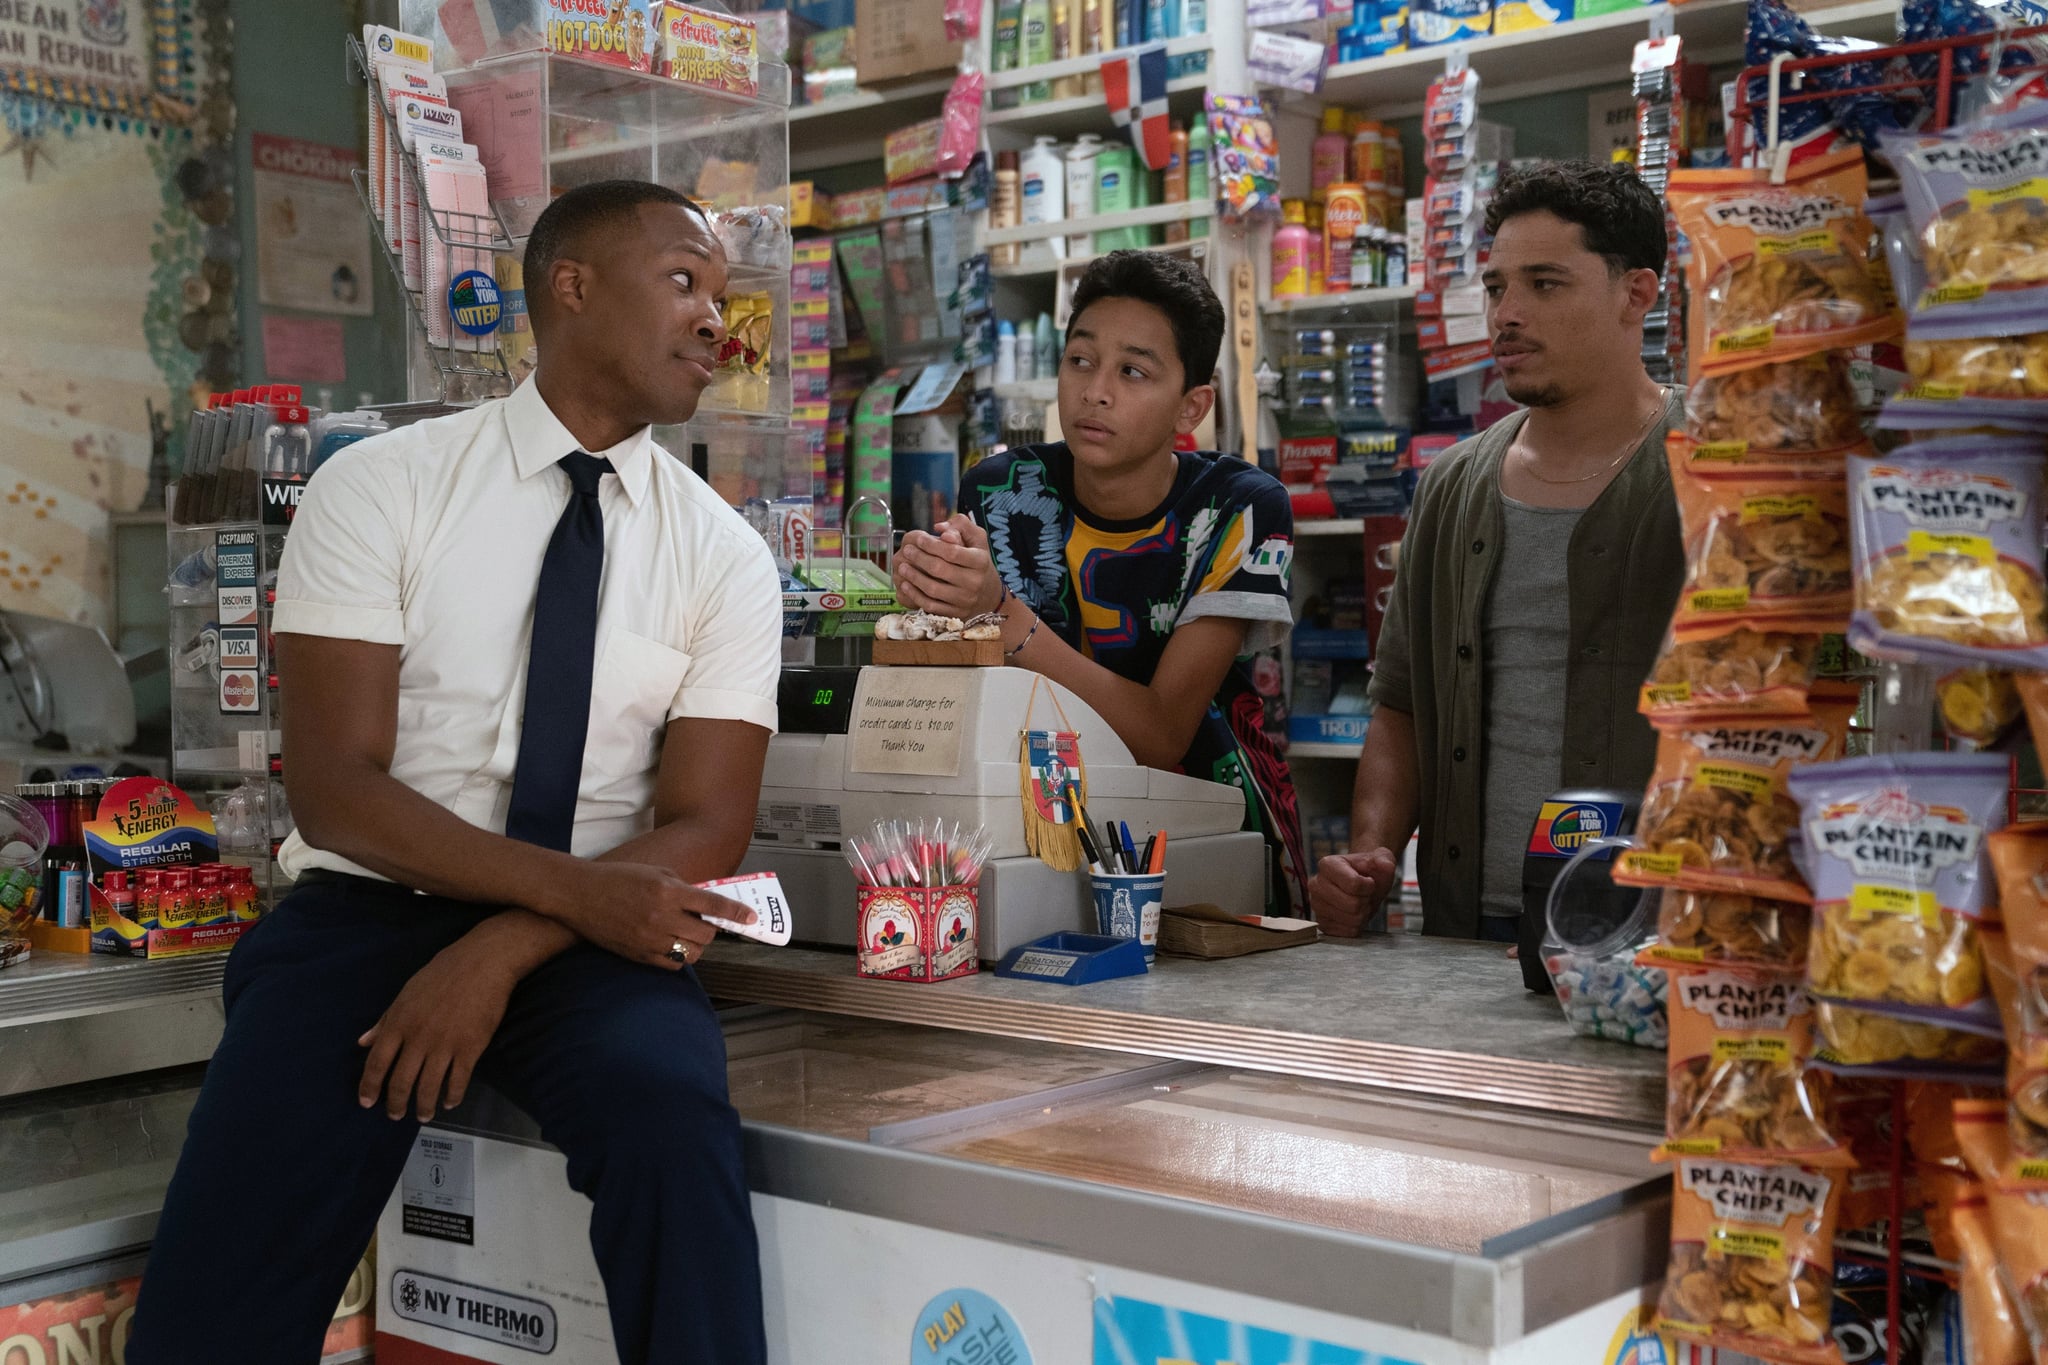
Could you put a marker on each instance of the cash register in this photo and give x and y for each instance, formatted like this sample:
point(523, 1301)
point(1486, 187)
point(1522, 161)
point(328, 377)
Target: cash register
point(875, 743)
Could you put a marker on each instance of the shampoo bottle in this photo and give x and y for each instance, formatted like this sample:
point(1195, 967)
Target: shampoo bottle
point(1003, 207)
point(1081, 187)
point(1198, 174)
point(1037, 46)
point(1043, 184)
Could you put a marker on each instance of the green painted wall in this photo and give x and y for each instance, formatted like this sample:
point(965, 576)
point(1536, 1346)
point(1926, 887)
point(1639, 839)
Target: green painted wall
point(290, 79)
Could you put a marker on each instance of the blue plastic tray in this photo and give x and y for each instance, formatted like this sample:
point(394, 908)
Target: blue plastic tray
point(1070, 959)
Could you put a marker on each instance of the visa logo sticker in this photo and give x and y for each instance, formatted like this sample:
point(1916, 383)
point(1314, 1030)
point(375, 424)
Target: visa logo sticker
point(1564, 827)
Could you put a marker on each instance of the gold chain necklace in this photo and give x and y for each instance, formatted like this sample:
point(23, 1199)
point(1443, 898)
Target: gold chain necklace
point(1529, 461)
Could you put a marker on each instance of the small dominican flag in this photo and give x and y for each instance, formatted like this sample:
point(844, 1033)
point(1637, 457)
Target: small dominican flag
point(1134, 88)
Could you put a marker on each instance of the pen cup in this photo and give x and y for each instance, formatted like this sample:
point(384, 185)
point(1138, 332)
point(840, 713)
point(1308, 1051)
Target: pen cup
point(1127, 906)
point(909, 933)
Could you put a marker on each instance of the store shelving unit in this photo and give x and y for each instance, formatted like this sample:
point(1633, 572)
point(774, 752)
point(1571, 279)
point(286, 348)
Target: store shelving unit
point(1571, 55)
point(1360, 299)
point(1154, 215)
point(850, 128)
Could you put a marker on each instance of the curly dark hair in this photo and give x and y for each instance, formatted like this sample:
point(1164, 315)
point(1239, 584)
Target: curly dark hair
point(1172, 284)
point(1621, 217)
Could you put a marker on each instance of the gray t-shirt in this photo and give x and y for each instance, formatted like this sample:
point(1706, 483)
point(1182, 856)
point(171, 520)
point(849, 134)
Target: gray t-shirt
point(1528, 639)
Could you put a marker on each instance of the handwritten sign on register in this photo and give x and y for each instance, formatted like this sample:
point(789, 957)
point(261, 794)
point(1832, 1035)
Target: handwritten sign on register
point(908, 720)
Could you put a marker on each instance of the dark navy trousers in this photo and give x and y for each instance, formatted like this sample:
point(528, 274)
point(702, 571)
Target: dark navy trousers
point(283, 1174)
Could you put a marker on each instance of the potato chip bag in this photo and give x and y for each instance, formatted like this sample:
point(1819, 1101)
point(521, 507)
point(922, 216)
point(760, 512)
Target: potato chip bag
point(1792, 412)
point(1978, 205)
point(1946, 536)
point(1738, 1084)
point(1715, 671)
point(1863, 1118)
point(2019, 856)
point(1717, 815)
point(1896, 848)
point(1726, 929)
point(2033, 690)
point(1885, 1045)
point(2026, 1114)
point(1991, 1325)
point(1978, 705)
point(1752, 1259)
point(1771, 553)
point(1780, 271)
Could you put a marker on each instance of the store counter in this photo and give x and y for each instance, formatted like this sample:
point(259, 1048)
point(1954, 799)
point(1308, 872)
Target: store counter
point(1421, 1015)
point(1379, 1149)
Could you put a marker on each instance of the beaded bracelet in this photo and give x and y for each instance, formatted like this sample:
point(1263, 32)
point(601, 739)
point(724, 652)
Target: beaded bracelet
point(1026, 640)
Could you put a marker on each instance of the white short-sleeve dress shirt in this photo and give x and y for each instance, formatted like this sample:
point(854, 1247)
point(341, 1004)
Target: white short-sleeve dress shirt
point(431, 538)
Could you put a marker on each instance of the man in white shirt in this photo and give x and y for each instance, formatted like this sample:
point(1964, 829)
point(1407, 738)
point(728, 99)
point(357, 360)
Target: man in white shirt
point(527, 694)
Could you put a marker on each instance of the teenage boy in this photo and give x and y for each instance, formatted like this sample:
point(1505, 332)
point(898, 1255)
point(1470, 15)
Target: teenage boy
point(530, 695)
point(1538, 574)
point(1137, 576)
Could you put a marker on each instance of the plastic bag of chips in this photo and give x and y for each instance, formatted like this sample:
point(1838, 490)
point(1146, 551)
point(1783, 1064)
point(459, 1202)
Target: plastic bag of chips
point(1947, 548)
point(1714, 671)
point(2019, 968)
point(1972, 381)
point(1738, 1083)
point(1752, 1259)
point(1780, 271)
point(1771, 553)
point(1790, 412)
point(2025, 1021)
point(1722, 929)
point(1718, 816)
point(1884, 1045)
point(2003, 1147)
point(1978, 705)
point(1991, 1323)
point(2018, 1216)
point(1895, 846)
point(1980, 211)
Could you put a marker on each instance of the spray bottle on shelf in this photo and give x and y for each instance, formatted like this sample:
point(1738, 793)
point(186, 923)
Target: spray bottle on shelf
point(1291, 252)
point(1330, 155)
point(1006, 352)
point(1198, 174)
point(1042, 343)
point(1176, 181)
point(1003, 206)
point(1042, 183)
point(1080, 161)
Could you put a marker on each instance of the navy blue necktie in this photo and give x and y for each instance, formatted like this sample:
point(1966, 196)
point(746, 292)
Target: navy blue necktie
point(559, 665)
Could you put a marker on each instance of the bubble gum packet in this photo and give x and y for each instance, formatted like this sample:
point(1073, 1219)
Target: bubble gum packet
point(1793, 412)
point(1738, 1085)
point(1781, 271)
point(1768, 552)
point(1978, 202)
point(1895, 845)
point(1752, 1259)
point(1717, 815)
point(1946, 542)
point(1722, 929)
point(1713, 671)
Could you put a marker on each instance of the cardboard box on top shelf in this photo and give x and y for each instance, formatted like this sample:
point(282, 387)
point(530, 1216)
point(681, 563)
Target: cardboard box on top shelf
point(895, 38)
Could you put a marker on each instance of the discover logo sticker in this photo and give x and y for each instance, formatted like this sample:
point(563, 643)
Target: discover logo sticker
point(474, 1311)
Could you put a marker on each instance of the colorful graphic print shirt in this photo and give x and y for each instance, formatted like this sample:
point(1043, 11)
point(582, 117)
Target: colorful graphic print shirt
point(1222, 544)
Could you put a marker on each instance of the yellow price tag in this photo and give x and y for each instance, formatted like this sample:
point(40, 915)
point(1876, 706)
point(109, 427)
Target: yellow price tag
point(1730, 778)
point(1981, 200)
point(1666, 694)
point(1935, 393)
point(1682, 954)
point(1720, 450)
point(1752, 1242)
point(1780, 505)
point(1745, 339)
point(1927, 544)
point(1966, 291)
point(2034, 1170)
point(1652, 864)
point(1774, 1048)
point(1867, 902)
point(1692, 1147)
point(1818, 240)
point(1720, 599)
